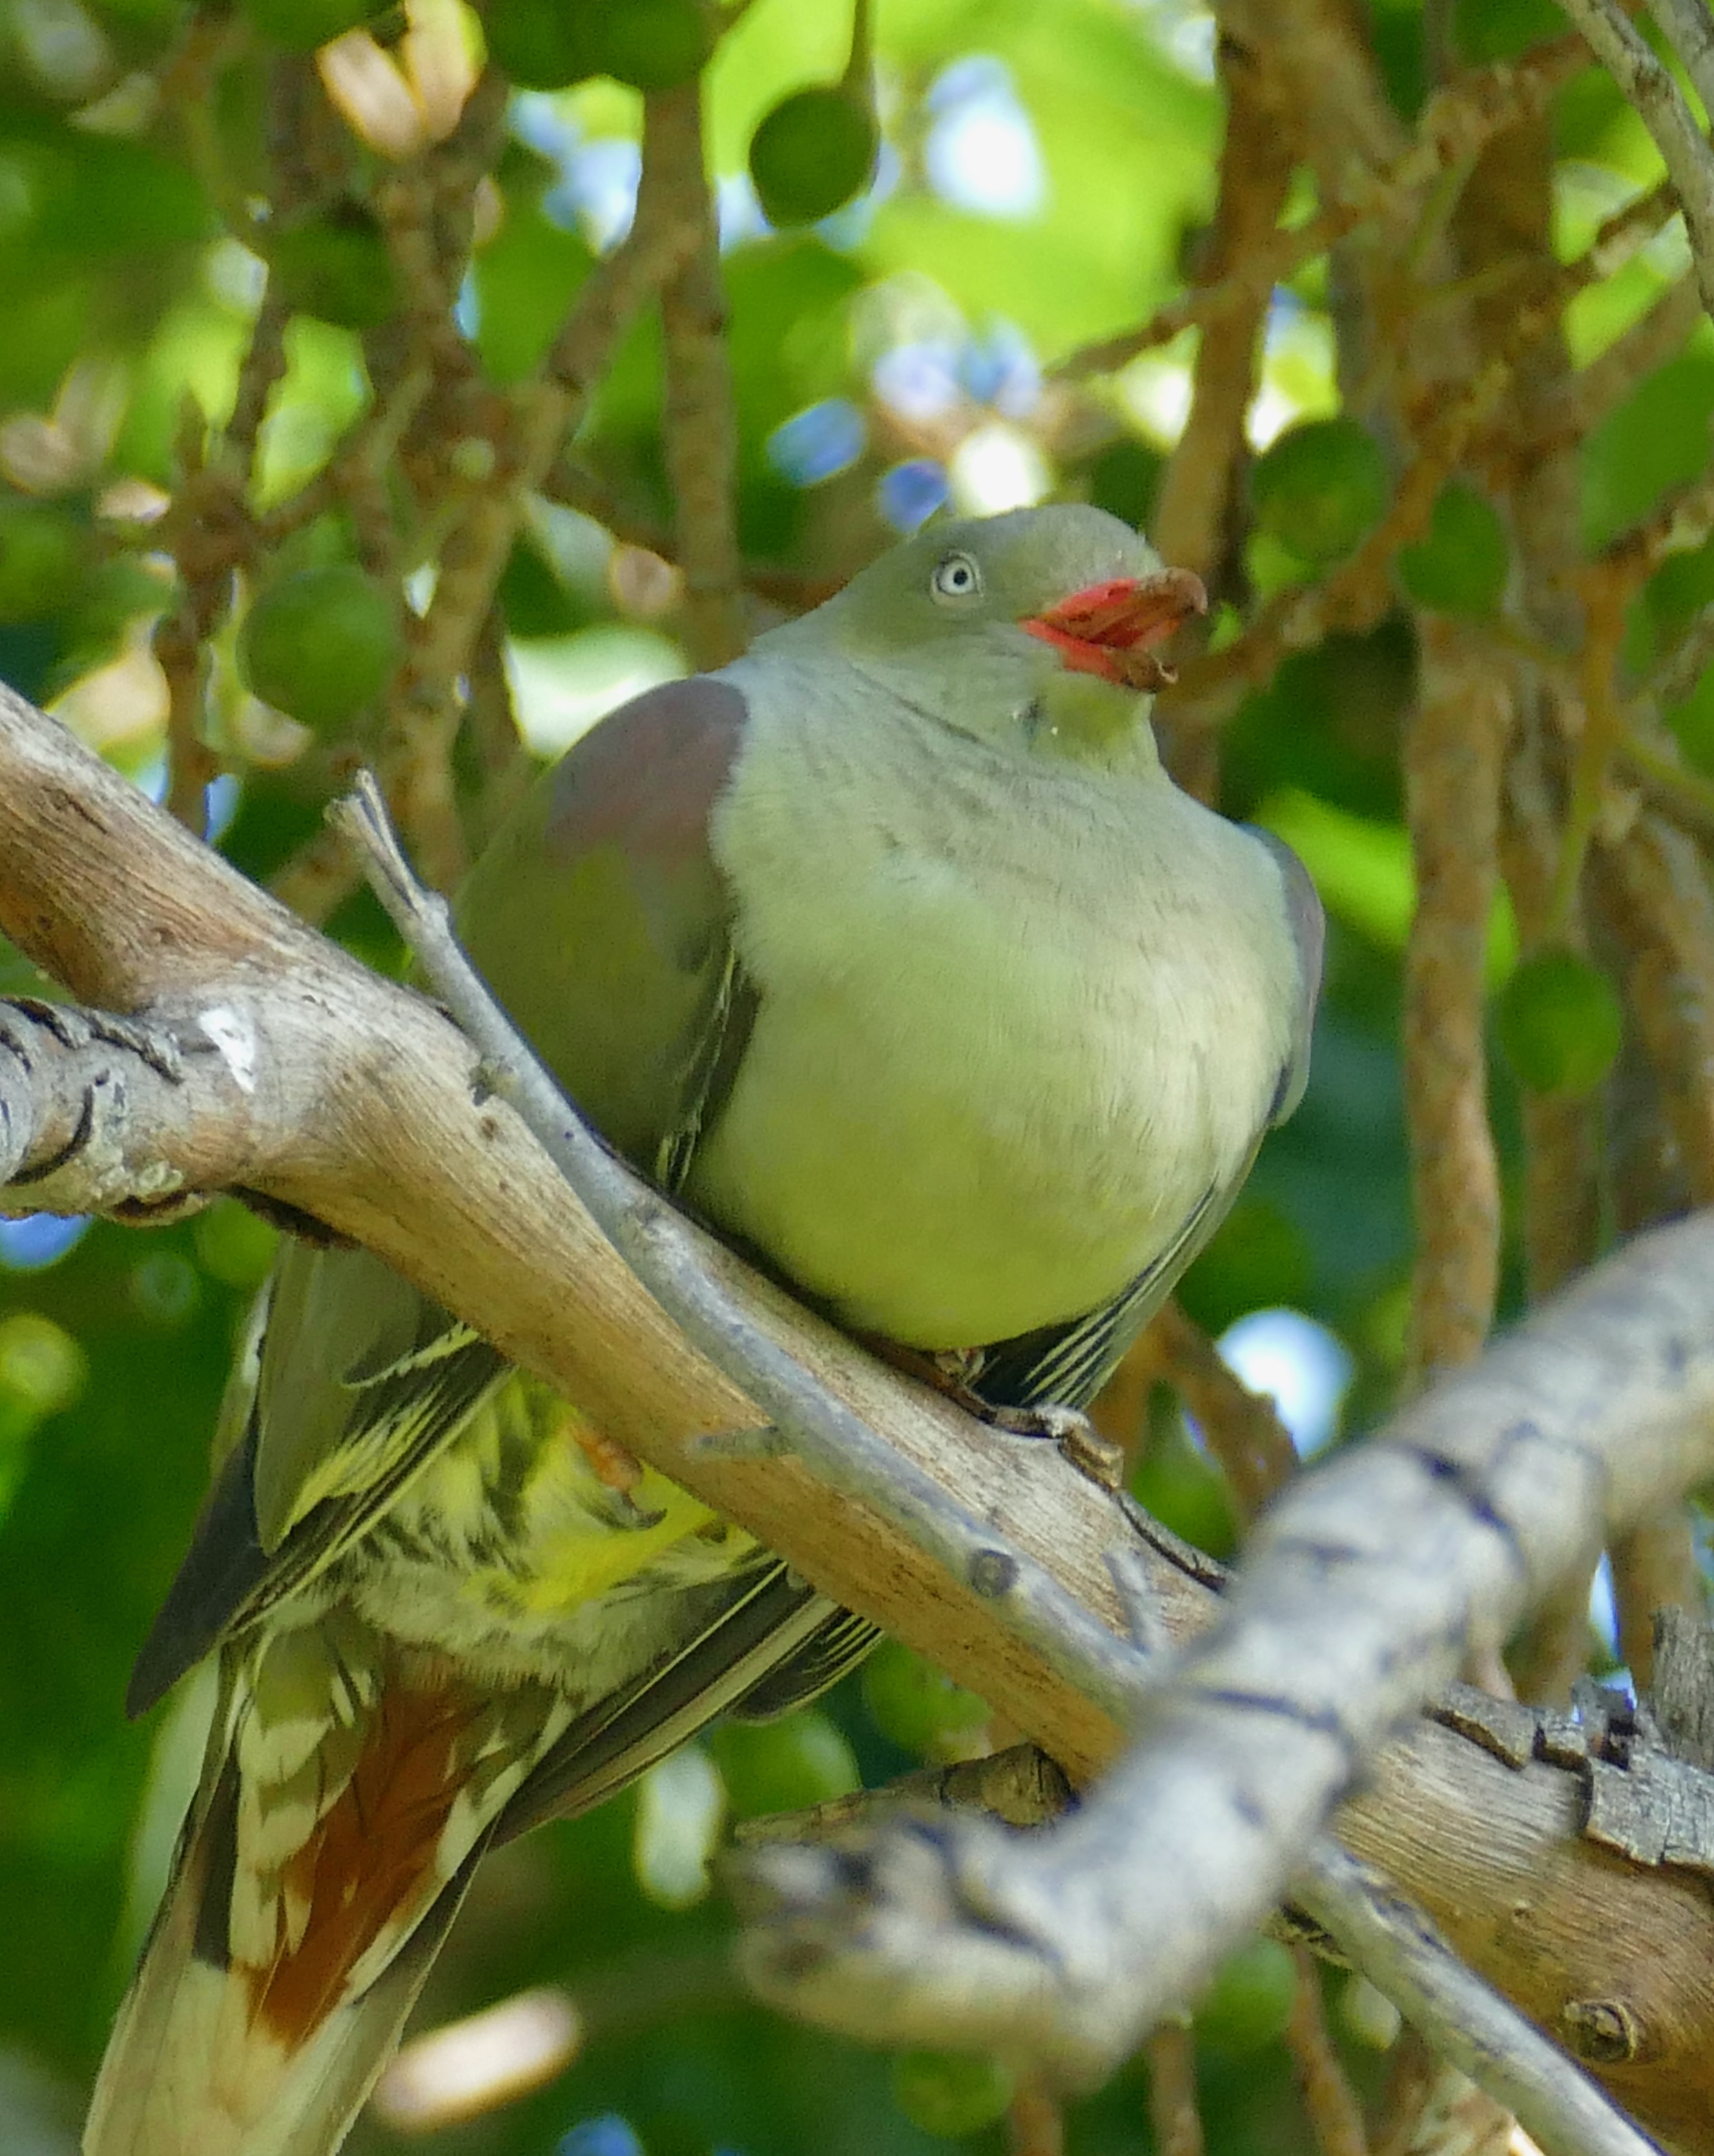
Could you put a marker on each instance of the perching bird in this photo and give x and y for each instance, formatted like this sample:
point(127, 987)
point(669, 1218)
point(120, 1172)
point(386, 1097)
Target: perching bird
point(892, 947)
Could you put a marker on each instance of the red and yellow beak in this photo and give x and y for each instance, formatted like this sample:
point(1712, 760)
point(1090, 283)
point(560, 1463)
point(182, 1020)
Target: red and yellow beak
point(1113, 629)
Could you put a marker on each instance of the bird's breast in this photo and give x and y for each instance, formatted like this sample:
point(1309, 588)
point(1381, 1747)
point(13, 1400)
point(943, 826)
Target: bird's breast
point(1004, 1048)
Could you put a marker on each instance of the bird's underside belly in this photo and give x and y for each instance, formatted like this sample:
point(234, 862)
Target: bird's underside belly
point(961, 1180)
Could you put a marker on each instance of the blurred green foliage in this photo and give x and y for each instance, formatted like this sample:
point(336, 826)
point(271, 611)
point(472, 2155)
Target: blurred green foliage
point(1044, 175)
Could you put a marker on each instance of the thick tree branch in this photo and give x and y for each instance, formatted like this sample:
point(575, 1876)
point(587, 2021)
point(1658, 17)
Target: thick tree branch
point(362, 1108)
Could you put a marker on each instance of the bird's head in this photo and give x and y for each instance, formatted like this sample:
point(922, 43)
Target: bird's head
point(1041, 629)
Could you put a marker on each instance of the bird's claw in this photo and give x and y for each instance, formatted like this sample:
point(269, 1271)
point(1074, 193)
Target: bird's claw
point(1080, 1443)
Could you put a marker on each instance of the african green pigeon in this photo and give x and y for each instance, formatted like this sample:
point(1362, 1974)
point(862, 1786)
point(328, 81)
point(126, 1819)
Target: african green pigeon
point(892, 949)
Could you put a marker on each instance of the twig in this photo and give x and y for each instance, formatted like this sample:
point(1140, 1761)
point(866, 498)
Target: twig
point(699, 426)
point(1599, 389)
point(1175, 2119)
point(1684, 795)
point(1090, 1929)
point(579, 488)
point(543, 413)
point(207, 530)
point(1653, 1568)
point(264, 366)
point(1677, 675)
point(1687, 25)
point(1335, 2115)
point(1679, 526)
point(1242, 1429)
point(1356, 594)
point(1455, 124)
point(1603, 729)
point(1561, 1190)
point(1455, 745)
point(1036, 2122)
point(317, 878)
point(1434, 2110)
point(1020, 1785)
point(1553, 1651)
point(1471, 2025)
point(1654, 890)
point(1646, 84)
point(1195, 512)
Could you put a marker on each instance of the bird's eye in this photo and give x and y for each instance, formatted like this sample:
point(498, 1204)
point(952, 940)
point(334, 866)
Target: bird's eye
point(955, 576)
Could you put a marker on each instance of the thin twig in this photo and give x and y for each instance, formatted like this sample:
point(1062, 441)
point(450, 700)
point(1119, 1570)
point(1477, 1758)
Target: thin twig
point(1686, 23)
point(1242, 1429)
point(698, 425)
point(1562, 1188)
point(1174, 2115)
point(1455, 124)
point(1036, 2122)
point(1335, 2115)
point(1655, 891)
point(1654, 1568)
point(1471, 2025)
point(1454, 750)
point(1599, 389)
point(1646, 82)
point(1675, 679)
point(1196, 514)
point(1604, 730)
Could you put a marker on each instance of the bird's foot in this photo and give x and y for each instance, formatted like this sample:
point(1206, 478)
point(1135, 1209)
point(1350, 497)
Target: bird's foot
point(954, 1371)
point(1080, 1442)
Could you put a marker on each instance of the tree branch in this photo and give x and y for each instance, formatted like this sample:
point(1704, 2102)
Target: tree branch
point(1647, 84)
point(362, 1106)
point(1074, 1941)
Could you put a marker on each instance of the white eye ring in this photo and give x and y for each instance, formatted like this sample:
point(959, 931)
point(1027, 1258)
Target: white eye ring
point(955, 578)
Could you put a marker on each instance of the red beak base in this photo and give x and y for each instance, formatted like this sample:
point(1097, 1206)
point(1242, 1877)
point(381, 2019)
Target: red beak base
point(1113, 630)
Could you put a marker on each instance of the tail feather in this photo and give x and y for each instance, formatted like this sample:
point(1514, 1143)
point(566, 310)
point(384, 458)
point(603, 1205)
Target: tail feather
point(303, 1914)
point(188, 2073)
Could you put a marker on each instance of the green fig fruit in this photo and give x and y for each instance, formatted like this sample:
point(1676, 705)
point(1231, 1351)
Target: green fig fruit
point(336, 265)
point(304, 25)
point(655, 44)
point(1318, 488)
point(319, 645)
point(813, 153)
point(544, 45)
point(1460, 564)
point(950, 2093)
point(1560, 1024)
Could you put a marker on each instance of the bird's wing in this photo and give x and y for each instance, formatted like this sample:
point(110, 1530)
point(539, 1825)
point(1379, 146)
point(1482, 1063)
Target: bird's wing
point(598, 918)
point(1308, 925)
point(1067, 1365)
point(639, 1006)
point(768, 1633)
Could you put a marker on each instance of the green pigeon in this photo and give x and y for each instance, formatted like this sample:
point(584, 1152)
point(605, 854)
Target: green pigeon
point(891, 949)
